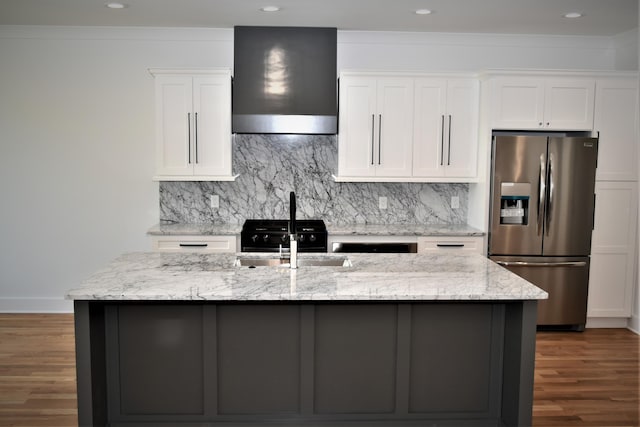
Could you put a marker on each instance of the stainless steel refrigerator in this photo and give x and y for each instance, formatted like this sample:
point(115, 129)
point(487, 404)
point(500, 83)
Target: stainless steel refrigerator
point(541, 219)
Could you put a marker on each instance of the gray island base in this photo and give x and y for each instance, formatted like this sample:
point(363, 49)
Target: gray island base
point(235, 346)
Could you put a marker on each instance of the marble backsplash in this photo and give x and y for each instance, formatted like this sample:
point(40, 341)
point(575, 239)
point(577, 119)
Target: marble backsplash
point(270, 166)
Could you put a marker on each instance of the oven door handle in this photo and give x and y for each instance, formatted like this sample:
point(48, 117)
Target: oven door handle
point(542, 264)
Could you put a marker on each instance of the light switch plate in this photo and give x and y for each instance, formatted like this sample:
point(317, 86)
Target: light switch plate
point(455, 202)
point(382, 202)
point(215, 201)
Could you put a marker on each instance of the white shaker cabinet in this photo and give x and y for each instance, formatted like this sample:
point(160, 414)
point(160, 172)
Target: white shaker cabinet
point(193, 125)
point(445, 138)
point(613, 256)
point(375, 127)
point(542, 103)
point(615, 120)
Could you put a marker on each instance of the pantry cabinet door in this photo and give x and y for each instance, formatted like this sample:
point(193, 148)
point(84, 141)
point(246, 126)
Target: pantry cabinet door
point(616, 120)
point(613, 252)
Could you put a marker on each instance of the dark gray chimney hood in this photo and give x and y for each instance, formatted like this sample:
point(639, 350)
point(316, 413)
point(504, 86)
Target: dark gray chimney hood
point(285, 80)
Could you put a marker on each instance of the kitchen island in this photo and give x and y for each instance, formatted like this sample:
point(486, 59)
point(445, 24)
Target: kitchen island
point(380, 340)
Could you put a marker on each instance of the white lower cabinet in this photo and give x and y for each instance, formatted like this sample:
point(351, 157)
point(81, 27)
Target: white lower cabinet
point(446, 244)
point(613, 250)
point(203, 244)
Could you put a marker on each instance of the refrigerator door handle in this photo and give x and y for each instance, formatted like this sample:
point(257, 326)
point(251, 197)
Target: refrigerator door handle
point(541, 264)
point(550, 203)
point(542, 199)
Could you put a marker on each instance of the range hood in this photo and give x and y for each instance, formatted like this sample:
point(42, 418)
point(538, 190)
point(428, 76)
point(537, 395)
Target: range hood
point(285, 80)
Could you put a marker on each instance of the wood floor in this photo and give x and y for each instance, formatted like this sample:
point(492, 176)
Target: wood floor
point(581, 379)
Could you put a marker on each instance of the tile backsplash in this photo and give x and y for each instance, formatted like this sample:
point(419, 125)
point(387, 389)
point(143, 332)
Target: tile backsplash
point(270, 166)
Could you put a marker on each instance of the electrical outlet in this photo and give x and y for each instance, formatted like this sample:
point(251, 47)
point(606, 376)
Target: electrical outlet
point(382, 202)
point(214, 201)
point(455, 202)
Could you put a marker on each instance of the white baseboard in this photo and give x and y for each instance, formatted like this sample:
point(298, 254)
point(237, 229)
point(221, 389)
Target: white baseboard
point(634, 324)
point(607, 322)
point(35, 305)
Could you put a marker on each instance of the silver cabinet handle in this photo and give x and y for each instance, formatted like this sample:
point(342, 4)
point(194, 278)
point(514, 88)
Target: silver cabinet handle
point(542, 264)
point(196, 137)
point(543, 192)
point(373, 120)
point(449, 144)
point(189, 135)
point(442, 142)
point(379, 139)
point(551, 186)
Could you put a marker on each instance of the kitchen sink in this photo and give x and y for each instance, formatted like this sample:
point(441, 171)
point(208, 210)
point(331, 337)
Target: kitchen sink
point(284, 262)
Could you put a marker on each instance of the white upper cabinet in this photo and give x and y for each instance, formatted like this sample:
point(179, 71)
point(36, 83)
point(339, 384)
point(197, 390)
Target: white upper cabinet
point(549, 103)
point(407, 127)
point(616, 116)
point(445, 128)
point(376, 117)
point(193, 125)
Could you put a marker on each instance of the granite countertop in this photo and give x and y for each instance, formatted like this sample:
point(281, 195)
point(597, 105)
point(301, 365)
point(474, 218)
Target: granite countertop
point(333, 229)
point(371, 277)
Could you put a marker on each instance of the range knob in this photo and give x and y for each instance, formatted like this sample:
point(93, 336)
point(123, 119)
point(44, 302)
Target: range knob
point(283, 238)
point(312, 238)
point(254, 238)
point(265, 238)
point(301, 238)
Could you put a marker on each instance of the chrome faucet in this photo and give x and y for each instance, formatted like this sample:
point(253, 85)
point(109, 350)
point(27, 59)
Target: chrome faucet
point(293, 235)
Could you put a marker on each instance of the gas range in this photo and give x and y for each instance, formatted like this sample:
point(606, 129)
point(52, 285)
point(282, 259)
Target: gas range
point(268, 235)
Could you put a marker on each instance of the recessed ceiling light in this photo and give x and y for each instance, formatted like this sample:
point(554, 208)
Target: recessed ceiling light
point(423, 12)
point(115, 5)
point(270, 9)
point(573, 15)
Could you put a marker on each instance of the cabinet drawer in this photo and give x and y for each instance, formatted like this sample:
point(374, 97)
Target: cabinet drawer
point(450, 243)
point(205, 244)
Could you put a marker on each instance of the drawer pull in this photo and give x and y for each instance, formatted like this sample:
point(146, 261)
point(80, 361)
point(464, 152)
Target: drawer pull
point(450, 245)
point(194, 245)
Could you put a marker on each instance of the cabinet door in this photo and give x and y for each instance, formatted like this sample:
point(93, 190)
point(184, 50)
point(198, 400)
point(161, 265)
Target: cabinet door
point(173, 125)
point(462, 131)
point(429, 127)
point(616, 116)
point(568, 104)
point(394, 127)
point(613, 256)
point(356, 145)
point(518, 103)
point(212, 125)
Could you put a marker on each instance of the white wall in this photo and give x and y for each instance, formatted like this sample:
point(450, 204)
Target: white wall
point(626, 48)
point(77, 131)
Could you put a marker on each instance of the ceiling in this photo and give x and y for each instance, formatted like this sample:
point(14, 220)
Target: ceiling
point(601, 17)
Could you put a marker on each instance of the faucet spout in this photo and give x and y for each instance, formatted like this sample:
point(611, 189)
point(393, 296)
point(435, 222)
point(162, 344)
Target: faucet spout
point(293, 235)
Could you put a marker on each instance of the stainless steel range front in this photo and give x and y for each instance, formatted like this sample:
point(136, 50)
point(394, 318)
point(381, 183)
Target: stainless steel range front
point(269, 235)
